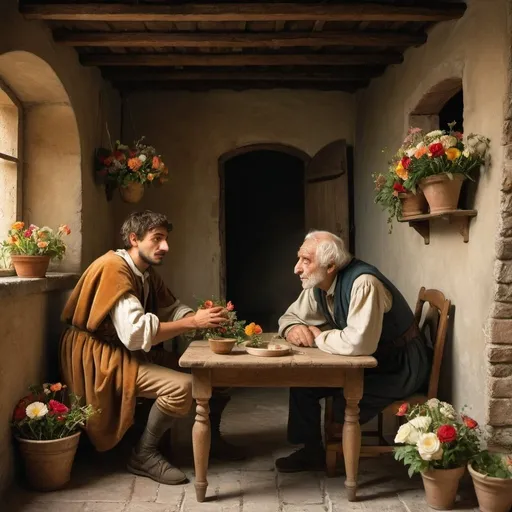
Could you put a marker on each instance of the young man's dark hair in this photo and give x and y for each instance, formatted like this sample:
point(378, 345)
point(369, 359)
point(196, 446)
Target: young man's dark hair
point(141, 223)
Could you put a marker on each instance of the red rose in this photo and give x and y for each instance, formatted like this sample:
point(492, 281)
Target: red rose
point(208, 304)
point(399, 188)
point(446, 433)
point(402, 410)
point(19, 413)
point(57, 408)
point(406, 161)
point(469, 422)
point(436, 149)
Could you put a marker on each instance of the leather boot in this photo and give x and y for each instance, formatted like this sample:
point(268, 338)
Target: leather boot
point(146, 460)
point(220, 448)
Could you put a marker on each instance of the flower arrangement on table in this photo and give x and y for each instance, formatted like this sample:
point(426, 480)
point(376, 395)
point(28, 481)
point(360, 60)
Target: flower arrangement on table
point(127, 166)
point(233, 328)
point(435, 437)
point(421, 156)
point(49, 412)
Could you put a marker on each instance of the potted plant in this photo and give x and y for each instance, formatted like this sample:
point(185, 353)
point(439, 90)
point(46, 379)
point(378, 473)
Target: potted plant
point(492, 478)
point(438, 443)
point(130, 168)
point(46, 424)
point(439, 163)
point(222, 339)
point(393, 190)
point(32, 248)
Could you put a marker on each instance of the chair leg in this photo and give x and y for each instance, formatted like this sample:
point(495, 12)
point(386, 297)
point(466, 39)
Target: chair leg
point(331, 457)
point(380, 429)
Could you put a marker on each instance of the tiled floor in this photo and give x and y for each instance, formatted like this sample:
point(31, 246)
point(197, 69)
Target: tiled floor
point(257, 420)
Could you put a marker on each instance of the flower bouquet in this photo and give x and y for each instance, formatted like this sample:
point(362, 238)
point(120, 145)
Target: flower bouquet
point(47, 425)
point(130, 168)
point(32, 248)
point(438, 443)
point(222, 339)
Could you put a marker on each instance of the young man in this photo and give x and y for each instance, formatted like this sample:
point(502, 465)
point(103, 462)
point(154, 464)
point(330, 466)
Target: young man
point(118, 312)
point(349, 308)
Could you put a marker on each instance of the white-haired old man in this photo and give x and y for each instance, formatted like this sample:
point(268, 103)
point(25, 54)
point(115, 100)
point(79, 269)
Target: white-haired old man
point(348, 307)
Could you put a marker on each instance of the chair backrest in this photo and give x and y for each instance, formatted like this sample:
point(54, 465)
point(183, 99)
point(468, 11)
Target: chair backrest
point(436, 322)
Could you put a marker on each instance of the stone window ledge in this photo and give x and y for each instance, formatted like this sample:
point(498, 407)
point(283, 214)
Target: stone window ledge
point(16, 286)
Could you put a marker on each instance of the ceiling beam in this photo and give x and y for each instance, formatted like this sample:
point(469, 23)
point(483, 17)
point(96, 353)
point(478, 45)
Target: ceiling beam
point(237, 40)
point(137, 59)
point(357, 75)
point(434, 11)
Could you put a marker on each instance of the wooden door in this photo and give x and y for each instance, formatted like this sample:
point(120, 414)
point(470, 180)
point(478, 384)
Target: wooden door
point(327, 194)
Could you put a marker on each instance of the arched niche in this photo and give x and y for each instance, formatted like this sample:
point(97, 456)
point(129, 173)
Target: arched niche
point(51, 179)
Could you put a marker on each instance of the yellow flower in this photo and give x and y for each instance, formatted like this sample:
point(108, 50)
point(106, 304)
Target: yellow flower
point(18, 225)
point(249, 329)
point(452, 154)
point(401, 171)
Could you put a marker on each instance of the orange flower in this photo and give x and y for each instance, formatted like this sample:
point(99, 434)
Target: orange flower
point(151, 177)
point(42, 245)
point(249, 329)
point(401, 171)
point(64, 228)
point(257, 329)
point(402, 410)
point(420, 152)
point(156, 162)
point(56, 387)
point(134, 164)
point(18, 225)
point(453, 154)
point(469, 422)
point(12, 240)
point(208, 304)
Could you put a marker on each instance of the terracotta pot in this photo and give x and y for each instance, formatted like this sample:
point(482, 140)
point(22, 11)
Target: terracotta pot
point(441, 192)
point(48, 463)
point(132, 193)
point(413, 204)
point(221, 345)
point(441, 487)
point(30, 266)
point(493, 494)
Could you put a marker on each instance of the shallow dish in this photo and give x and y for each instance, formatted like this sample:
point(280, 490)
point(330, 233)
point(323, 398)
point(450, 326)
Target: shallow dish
point(270, 349)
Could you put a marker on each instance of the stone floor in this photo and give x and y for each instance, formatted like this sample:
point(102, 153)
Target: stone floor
point(256, 419)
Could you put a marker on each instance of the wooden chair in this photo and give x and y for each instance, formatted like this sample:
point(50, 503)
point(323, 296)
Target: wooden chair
point(436, 323)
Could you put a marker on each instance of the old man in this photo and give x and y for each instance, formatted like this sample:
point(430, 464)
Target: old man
point(348, 307)
point(118, 313)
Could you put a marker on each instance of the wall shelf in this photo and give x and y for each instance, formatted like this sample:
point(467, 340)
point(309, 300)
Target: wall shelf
point(461, 218)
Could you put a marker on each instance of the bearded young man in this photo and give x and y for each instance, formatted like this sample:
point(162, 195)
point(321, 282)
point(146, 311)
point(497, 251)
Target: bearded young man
point(349, 308)
point(119, 311)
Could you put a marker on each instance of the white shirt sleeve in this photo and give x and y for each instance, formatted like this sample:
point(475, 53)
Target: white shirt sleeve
point(135, 329)
point(173, 313)
point(369, 300)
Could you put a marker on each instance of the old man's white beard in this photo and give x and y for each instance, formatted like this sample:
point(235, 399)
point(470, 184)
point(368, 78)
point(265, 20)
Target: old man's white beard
point(313, 279)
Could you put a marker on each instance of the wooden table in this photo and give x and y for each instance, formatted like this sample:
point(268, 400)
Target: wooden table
point(305, 367)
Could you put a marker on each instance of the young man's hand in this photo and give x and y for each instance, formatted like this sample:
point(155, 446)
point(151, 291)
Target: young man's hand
point(209, 318)
point(301, 336)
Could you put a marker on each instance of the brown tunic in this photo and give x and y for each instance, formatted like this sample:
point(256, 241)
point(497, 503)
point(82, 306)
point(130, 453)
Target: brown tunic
point(93, 361)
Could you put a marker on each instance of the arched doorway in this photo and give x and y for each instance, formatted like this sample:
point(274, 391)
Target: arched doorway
point(262, 226)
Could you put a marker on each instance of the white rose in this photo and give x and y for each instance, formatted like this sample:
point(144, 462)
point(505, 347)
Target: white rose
point(421, 422)
point(404, 433)
point(143, 158)
point(466, 153)
point(36, 410)
point(435, 133)
point(429, 447)
point(410, 152)
point(448, 141)
point(433, 403)
point(447, 411)
point(420, 145)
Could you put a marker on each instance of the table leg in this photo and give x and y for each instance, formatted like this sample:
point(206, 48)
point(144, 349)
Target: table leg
point(352, 391)
point(201, 433)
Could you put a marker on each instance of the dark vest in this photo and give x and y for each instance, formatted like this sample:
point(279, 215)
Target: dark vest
point(395, 322)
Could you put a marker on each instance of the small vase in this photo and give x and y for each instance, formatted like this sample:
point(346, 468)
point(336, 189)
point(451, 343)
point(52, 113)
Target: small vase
point(48, 463)
point(132, 193)
point(30, 266)
point(493, 494)
point(413, 204)
point(221, 345)
point(442, 193)
point(441, 487)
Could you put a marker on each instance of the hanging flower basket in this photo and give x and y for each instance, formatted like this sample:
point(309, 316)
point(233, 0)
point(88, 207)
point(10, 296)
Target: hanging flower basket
point(132, 192)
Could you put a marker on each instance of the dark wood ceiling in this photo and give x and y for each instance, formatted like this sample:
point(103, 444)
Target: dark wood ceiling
point(155, 44)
